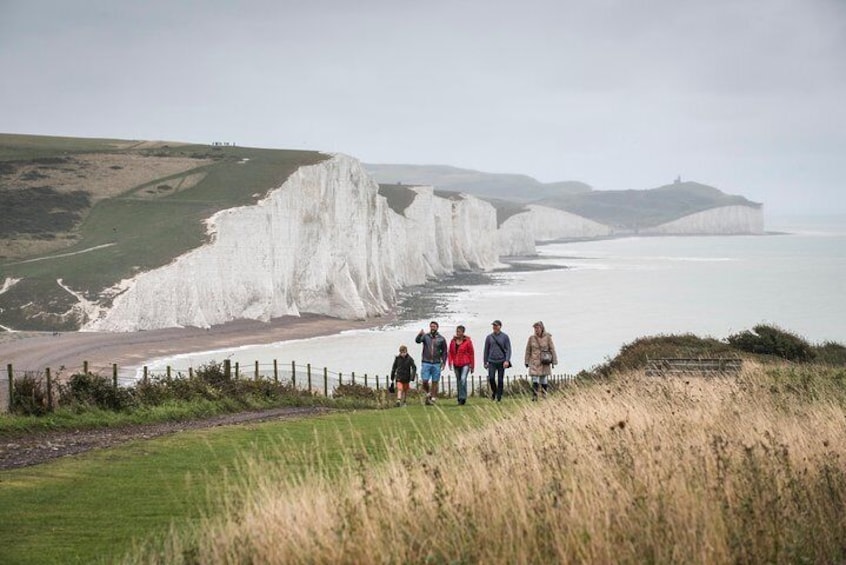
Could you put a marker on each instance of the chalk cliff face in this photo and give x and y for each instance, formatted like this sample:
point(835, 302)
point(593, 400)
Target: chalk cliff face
point(726, 220)
point(518, 234)
point(324, 242)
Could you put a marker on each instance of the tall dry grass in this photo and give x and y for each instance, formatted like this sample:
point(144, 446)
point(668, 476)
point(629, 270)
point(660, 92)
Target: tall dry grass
point(748, 469)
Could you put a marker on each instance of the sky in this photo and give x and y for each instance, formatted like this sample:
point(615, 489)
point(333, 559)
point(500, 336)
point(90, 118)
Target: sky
point(745, 95)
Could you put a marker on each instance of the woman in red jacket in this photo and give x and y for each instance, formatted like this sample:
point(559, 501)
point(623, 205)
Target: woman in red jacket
point(462, 359)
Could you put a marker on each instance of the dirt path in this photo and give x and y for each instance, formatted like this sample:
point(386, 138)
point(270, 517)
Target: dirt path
point(40, 447)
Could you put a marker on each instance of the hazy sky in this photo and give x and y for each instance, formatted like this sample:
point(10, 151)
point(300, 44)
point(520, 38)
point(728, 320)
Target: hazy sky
point(745, 95)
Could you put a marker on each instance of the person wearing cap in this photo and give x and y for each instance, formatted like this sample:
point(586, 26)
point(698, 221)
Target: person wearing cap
point(433, 360)
point(497, 357)
point(462, 359)
point(540, 358)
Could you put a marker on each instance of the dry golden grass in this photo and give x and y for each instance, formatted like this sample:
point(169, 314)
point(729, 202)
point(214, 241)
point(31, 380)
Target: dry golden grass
point(633, 470)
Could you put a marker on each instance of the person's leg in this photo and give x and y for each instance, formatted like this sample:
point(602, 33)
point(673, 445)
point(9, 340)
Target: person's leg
point(535, 387)
point(461, 381)
point(500, 381)
point(492, 379)
point(544, 384)
point(436, 378)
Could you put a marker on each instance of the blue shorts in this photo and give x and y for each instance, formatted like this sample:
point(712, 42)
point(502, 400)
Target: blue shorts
point(430, 371)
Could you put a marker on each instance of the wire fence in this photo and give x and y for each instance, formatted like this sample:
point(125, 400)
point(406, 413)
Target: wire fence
point(315, 380)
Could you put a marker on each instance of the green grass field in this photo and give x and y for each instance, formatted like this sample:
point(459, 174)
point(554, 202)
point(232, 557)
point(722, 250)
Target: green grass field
point(95, 506)
point(138, 234)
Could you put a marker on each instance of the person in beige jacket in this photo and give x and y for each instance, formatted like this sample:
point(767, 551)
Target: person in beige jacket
point(541, 357)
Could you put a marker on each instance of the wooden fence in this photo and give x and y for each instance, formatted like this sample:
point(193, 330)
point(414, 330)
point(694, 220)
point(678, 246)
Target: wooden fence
point(301, 377)
point(693, 366)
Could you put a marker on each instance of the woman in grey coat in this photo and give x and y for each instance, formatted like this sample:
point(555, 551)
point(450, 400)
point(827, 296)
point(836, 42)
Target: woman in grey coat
point(541, 357)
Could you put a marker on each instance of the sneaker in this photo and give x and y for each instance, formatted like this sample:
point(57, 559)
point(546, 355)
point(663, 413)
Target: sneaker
point(433, 399)
point(461, 402)
point(534, 398)
point(493, 396)
point(398, 404)
point(428, 401)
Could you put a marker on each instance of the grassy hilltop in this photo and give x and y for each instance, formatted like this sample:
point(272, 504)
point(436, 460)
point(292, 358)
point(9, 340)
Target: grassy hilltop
point(95, 211)
point(615, 467)
point(620, 209)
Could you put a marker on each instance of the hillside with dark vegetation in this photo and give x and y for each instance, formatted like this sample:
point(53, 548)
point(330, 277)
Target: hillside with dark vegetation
point(636, 209)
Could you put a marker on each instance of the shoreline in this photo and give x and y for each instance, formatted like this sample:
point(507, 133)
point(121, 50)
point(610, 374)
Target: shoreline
point(67, 351)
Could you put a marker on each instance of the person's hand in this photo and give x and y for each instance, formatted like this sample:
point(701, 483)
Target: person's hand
point(486, 365)
point(527, 365)
point(506, 364)
point(421, 332)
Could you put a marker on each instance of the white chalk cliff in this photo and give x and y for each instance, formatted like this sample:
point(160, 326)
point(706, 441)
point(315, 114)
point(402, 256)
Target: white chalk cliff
point(324, 242)
point(327, 242)
point(519, 233)
point(725, 220)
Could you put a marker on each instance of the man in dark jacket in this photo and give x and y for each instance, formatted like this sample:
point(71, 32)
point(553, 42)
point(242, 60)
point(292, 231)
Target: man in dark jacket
point(497, 357)
point(433, 360)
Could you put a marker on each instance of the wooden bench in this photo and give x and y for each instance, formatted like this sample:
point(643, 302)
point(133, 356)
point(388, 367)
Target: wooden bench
point(689, 366)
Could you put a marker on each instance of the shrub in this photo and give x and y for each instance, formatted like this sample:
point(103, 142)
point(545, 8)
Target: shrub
point(830, 353)
point(635, 355)
point(30, 398)
point(354, 391)
point(771, 340)
point(95, 390)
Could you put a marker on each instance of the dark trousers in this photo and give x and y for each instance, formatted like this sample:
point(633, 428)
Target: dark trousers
point(496, 376)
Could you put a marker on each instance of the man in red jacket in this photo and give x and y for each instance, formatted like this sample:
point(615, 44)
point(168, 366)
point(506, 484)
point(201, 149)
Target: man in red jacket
point(462, 359)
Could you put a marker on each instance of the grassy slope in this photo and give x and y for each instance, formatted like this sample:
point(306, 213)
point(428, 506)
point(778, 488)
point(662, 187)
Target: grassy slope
point(634, 209)
point(145, 233)
point(93, 506)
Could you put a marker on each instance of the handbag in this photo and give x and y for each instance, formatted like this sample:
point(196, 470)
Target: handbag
point(545, 354)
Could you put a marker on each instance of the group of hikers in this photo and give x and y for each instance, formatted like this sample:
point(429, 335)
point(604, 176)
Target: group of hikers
point(540, 358)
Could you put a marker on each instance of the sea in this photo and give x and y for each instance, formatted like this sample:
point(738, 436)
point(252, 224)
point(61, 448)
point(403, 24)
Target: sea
point(596, 296)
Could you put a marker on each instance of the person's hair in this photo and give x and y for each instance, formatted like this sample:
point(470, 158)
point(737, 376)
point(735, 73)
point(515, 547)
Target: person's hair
point(460, 328)
point(403, 348)
point(434, 322)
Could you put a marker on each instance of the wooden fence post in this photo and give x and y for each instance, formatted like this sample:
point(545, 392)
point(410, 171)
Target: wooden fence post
point(144, 379)
point(114, 375)
point(325, 382)
point(49, 390)
point(308, 376)
point(190, 372)
point(167, 371)
point(294, 375)
point(365, 380)
point(275, 372)
point(340, 378)
point(353, 378)
point(237, 370)
point(227, 368)
point(85, 367)
point(11, 384)
point(257, 370)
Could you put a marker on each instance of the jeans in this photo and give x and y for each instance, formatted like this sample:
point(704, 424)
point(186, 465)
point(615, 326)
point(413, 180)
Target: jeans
point(461, 381)
point(430, 371)
point(496, 376)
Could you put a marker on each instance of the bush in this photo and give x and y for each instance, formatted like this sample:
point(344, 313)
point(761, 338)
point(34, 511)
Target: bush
point(770, 340)
point(30, 398)
point(634, 355)
point(93, 390)
point(830, 353)
point(356, 391)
